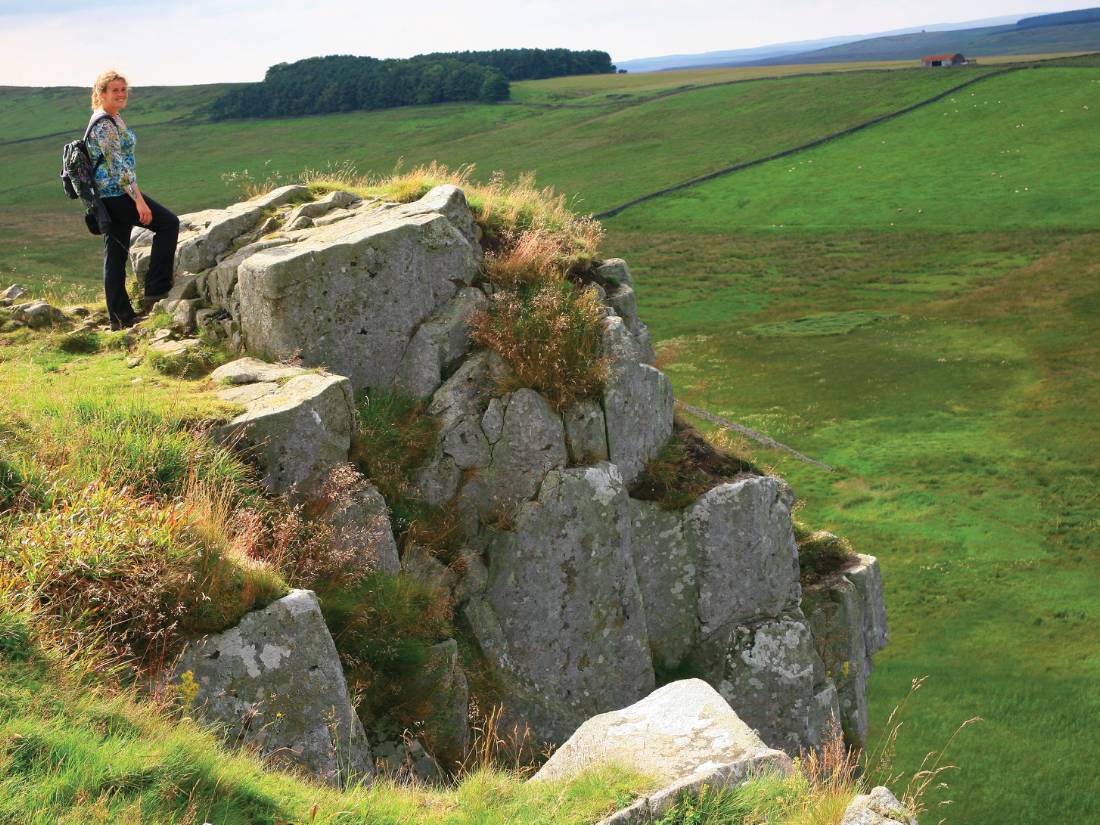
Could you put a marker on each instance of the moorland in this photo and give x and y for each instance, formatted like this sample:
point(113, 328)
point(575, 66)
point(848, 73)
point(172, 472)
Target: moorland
point(914, 304)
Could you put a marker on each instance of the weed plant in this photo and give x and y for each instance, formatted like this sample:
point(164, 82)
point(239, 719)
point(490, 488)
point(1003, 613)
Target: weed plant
point(686, 467)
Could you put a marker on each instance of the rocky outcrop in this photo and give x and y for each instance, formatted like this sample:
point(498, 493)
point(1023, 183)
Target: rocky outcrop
point(351, 295)
point(879, 807)
point(637, 402)
point(297, 428)
point(684, 735)
point(848, 620)
point(275, 682)
point(580, 598)
point(561, 616)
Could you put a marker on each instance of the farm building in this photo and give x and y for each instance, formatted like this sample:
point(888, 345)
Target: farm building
point(943, 60)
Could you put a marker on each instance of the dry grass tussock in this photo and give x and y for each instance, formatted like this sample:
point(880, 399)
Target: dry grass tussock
point(549, 333)
point(505, 209)
point(928, 780)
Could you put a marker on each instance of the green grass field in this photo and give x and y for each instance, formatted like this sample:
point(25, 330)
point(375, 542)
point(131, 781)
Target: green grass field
point(924, 325)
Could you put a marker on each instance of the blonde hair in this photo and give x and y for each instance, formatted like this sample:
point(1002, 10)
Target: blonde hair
point(99, 88)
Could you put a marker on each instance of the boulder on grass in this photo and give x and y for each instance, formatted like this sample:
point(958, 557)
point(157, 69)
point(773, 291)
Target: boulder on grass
point(879, 807)
point(275, 682)
point(685, 735)
point(297, 432)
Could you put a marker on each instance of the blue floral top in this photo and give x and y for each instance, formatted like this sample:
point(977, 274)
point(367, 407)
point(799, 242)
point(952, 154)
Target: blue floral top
point(116, 147)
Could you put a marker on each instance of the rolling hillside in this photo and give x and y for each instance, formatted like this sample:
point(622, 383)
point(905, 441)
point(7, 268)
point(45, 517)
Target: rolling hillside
point(990, 40)
point(598, 154)
point(915, 304)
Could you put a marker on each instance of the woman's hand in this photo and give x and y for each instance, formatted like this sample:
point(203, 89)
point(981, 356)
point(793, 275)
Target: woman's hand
point(145, 214)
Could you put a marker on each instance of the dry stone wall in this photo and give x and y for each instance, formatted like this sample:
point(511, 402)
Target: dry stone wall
point(581, 598)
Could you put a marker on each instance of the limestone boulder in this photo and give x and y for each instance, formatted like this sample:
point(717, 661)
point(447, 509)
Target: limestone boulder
point(846, 637)
point(207, 236)
point(253, 371)
point(438, 345)
point(37, 314)
point(879, 807)
point(745, 551)
point(360, 520)
point(561, 619)
point(351, 295)
point(684, 729)
point(297, 431)
point(530, 445)
point(275, 682)
point(637, 402)
point(766, 670)
point(585, 433)
point(668, 577)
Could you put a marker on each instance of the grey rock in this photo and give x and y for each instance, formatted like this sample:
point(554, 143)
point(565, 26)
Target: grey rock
point(185, 286)
point(438, 345)
point(174, 348)
point(531, 444)
point(14, 292)
point(184, 313)
point(299, 222)
point(275, 682)
point(865, 574)
point(350, 296)
point(360, 519)
point(208, 319)
point(586, 433)
point(621, 298)
point(37, 314)
point(844, 636)
point(766, 671)
point(298, 432)
point(668, 574)
point(245, 394)
point(561, 620)
point(637, 403)
point(879, 807)
point(748, 563)
point(211, 234)
point(615, 270)
point(682, 730)
point(823, 725)
point(492, 423)
point(222, 279)
point(249, 370)
point(450, 201)
point(404, 760)
point(447, 729)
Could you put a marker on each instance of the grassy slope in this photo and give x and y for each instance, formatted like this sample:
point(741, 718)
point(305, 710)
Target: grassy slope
point(602, 155)
point(31, 112)
point(1015, 150)
point(965, 428)
point(990, 40)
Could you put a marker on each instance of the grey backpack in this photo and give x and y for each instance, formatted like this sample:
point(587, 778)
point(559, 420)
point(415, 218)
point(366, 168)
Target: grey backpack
point(78, 180)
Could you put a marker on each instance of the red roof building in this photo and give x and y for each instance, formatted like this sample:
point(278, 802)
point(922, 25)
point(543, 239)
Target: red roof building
point(943, 60)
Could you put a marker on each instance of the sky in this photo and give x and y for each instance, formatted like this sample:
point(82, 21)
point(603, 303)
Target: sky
point(165, 42)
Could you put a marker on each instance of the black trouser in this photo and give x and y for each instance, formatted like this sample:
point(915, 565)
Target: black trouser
point(116, 246)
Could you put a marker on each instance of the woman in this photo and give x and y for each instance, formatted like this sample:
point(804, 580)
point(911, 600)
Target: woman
point(111, 148)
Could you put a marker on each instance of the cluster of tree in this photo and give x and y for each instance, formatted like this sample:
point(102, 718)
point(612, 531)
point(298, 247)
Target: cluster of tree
point(344, 83)
point(1063, 18)
point(533, 64)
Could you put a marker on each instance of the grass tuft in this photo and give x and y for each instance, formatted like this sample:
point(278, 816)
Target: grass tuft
point(395, 435)
point(549, 333)
point(685, 468)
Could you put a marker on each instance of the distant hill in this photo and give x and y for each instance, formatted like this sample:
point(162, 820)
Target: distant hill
point(990, 40)
point(741, 57)
point(1061, 18)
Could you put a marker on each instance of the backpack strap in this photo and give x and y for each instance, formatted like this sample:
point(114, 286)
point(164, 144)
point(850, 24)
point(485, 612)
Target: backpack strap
point(92, 125)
